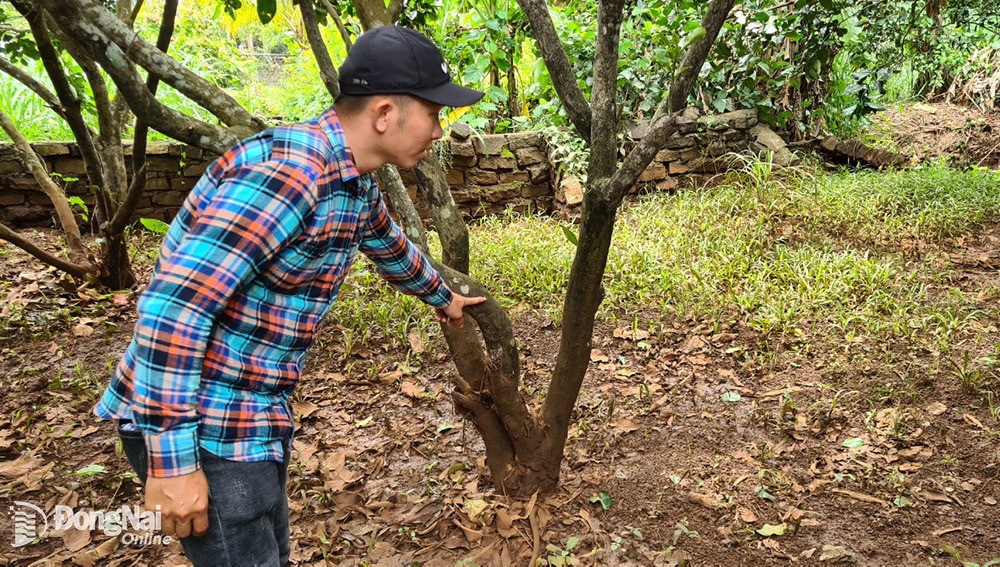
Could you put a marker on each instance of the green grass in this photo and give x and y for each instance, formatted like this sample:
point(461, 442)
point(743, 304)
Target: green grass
point(816, 257)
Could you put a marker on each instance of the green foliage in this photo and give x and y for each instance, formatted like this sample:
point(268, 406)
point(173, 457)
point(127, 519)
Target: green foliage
point(154, 225)
point(484, 41)
point(34, 119)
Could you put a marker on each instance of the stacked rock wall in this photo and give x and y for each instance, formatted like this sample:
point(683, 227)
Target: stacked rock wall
point(488, 174)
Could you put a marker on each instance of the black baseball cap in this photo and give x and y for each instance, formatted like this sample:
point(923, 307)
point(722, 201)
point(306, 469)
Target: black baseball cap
point(398, 60)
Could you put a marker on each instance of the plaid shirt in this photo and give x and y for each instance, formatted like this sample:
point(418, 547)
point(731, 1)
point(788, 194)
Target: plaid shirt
point(247, 271)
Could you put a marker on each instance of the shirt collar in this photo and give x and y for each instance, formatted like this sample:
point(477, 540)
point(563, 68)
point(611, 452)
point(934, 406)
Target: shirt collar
point(342, 155)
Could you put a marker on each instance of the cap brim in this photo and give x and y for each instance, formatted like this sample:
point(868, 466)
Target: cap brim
point(450, 94)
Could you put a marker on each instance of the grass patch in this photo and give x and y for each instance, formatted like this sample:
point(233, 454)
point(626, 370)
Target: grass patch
point(788, 252)
point(851, 261)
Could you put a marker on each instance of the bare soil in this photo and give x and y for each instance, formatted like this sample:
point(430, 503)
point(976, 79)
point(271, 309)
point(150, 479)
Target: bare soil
point(696, 442)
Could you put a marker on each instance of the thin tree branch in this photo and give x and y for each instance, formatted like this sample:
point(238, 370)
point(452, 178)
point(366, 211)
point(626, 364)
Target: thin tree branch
point(327, 71)
point(556, 61)
point(28, 246)
point(74, 242)
point(47, 96)
point(333, 13)
point(123, 215)
point(91, 20)
point(687, 73)
point(67, 96)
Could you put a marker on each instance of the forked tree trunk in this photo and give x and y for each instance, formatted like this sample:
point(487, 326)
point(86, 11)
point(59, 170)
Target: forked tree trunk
point(524, 451)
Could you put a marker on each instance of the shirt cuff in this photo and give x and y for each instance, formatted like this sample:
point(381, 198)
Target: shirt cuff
point(440, 298)
point(173, 453)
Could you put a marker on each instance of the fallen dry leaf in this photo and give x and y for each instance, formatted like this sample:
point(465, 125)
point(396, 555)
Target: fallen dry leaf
point(626, 425)
point(971, 420)
point(19, 467)
point(412, 389)
point(95, 556)
point(416, 345)
point(858, 496)
point(597, 356)
point(936, 408)
point(706, 500)
point(75, 539)
point(836, 554)
point(304, 409)
point(746, 515)
point(83, 330)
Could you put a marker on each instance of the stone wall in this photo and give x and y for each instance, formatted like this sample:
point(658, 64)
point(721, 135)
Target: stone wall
point(488, 174)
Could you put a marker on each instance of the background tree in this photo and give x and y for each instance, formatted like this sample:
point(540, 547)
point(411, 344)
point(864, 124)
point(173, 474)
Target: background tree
point(79, 88)
point(524, 448)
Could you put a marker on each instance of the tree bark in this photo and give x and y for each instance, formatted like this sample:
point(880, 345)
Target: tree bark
point(554, 55)
point(399, 202)
point(372, 13)
point(604, 122)
point(448, 221)
point(74, 242)
point(327, 72)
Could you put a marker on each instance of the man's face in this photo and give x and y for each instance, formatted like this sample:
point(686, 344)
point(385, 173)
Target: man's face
point(416, 127)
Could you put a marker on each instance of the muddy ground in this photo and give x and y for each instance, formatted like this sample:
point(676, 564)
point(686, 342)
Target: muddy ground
point(696, 442)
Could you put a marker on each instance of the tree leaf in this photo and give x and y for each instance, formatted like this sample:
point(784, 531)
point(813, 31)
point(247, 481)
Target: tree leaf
point(773, 529)
point(266, 9)
point(570, 235)
point(731, 397)
point(154, 225)
point(91, 470)
point(853, 443)
point(603, 498)
point(695, 34)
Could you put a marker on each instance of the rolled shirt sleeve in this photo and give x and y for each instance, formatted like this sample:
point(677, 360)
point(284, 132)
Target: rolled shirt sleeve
point(397, 259)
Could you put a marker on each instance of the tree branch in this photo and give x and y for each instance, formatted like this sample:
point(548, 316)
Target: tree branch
point(333, 13)
point(61, 264)
point(451, 228)
point(67, 96)
point(47, 96)
point(394, 9)
point(327, 71)
point(604, 129)
point(74, 242)
point(160, 117)
point(89, 20)
point(560, 71)
point(687, 73)
point(400, 203)
point(123, 216)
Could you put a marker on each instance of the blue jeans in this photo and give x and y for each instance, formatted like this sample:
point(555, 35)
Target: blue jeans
point(247, 509)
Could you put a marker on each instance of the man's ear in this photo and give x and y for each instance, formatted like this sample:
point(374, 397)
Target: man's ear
point(381, 109)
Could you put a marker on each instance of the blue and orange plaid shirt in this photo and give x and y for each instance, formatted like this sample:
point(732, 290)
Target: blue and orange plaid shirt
point(249, 267)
